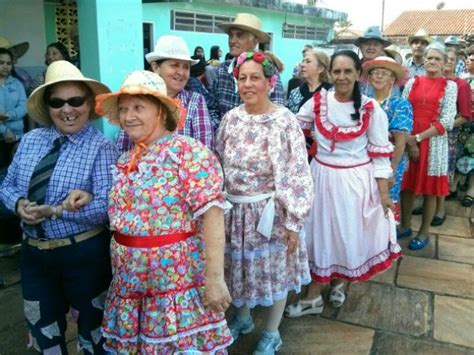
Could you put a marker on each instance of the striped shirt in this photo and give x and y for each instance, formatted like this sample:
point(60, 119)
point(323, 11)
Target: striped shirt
point(84, 163)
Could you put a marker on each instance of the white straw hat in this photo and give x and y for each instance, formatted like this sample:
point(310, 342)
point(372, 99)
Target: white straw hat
point(170, 47)
point(140, 82)
point(422, 35)
point(59, 72)
point(248, 23)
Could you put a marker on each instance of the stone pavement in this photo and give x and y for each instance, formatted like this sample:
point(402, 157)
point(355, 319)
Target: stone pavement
point(424, 304)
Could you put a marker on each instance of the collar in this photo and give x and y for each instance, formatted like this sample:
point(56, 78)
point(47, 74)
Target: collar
point(230, 70)
point(76, 138)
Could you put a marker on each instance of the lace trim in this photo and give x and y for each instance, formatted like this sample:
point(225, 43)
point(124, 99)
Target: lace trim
point(376, 151)
point(333, 132)
point(226, 206)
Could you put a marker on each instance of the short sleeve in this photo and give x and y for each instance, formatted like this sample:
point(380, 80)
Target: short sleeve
point(401, 119)
point(448, 106)
point(202, 178)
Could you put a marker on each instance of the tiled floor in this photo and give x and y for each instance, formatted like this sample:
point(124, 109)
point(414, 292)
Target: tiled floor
point(424, 304)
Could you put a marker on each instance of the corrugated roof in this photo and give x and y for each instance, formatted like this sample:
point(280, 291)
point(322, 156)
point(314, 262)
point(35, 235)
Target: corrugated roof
point(436, 22)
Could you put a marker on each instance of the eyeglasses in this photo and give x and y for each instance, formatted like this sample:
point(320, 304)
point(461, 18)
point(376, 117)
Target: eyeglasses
point(380, 72)
point(75, 101)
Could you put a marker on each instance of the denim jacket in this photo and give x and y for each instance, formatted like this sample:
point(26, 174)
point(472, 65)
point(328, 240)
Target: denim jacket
point(13, 103)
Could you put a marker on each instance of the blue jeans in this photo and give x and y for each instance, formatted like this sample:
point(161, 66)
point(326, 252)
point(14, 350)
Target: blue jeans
point(53, 281)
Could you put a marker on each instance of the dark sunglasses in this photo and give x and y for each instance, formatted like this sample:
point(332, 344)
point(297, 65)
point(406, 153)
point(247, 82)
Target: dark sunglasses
point(75, 101)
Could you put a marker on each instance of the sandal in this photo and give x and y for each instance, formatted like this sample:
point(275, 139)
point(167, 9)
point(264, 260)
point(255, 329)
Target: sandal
point(467, 201)
point(337, 296)
point(417, 243)
point(304, 307)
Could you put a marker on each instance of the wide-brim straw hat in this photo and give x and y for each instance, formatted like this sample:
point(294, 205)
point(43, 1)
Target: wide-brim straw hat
point(386, 63)
point(248, 23)
point(140, 82)
point(59, 72)
point(421, 35)
point(18, 50)
point(170, 47)
point(394, 52)
point(372, 33)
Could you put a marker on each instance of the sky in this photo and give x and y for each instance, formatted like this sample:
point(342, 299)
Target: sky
point(367, 13)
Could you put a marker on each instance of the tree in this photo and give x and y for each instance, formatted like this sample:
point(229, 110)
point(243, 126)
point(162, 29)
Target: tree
point(342, 27)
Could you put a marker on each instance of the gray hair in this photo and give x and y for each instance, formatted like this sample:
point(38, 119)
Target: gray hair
point(438, 47)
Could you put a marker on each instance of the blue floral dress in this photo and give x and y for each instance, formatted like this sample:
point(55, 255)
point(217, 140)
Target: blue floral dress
point(400, 119)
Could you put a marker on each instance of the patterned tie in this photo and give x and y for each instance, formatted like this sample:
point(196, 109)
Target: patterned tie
point(40, 178)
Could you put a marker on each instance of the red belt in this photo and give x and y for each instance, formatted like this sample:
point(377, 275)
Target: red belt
point(151, 241)
point(341, 167)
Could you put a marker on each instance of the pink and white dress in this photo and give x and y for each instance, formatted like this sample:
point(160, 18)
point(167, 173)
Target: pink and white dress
point(347, 234)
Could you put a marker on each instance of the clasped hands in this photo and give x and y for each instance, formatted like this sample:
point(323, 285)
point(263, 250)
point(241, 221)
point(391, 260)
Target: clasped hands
point(31, 213)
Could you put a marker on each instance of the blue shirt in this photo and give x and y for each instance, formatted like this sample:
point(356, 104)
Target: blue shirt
point(415, 69)
point(13, 103)
point(195, 85)
point(227, 95)
point(84, 162)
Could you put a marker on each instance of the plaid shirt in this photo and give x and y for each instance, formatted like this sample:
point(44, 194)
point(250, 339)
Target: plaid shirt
point(226, 92)
point(84, 163)
point(460, 67)
point(195, 85)
point(197, 125)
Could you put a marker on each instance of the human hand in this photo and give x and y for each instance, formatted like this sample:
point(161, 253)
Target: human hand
point(413, 152)
point(41, 211)
point(217, 297)
point(386, 203)
point(27, 214)
point(292, 240)
point(411, 141)
point(76, 199)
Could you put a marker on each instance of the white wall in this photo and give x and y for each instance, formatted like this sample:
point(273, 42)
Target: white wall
point(23, 21)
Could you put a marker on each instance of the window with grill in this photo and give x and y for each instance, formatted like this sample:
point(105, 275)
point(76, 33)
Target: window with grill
point(305, 32)
point(196, 22)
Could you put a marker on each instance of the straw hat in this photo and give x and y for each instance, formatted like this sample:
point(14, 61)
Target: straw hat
point(59, 72)
point(394, 52)
point(372, 33)
point(138, 83)
point(170, 47)
point(248, 23)
point(384, 62)
point(422, 35)
point(18, 50)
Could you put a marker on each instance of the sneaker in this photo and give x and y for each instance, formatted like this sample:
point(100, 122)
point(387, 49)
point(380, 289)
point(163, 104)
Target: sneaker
point(237, 327)
point(268, 344)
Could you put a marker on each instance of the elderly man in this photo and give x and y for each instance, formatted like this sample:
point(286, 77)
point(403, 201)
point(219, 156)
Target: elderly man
point(418, 43)
point(244, 35)
point(372, 45)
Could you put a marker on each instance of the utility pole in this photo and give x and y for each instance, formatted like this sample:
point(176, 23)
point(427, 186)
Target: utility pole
point(383, 15)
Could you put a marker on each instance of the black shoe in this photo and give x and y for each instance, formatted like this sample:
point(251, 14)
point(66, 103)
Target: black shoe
point(437, 221)
point(417, 211)
point(452, 195)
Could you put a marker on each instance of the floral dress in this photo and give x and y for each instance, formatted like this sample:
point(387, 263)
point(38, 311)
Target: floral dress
point(465, 161)
point(154, 304)
point(264, 154)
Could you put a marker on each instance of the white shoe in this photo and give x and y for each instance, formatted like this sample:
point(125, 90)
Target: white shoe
point(304, 307)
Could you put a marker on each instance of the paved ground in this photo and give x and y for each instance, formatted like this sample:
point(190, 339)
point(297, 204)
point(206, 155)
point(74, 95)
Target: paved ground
point(424, 304)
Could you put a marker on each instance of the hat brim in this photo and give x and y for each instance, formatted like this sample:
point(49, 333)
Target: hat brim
point(40, 113)
point(19, 49)
point(154, 56)
point(262, 37)
point(362, 40)
point(427, 39)
point(107, 104)
point(393, 67)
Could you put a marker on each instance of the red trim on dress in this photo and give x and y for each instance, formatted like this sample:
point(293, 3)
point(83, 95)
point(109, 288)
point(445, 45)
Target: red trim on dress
point(380, 155)
point(335, 133)
point(374, 270)
point(439, 127)
point(341, 166)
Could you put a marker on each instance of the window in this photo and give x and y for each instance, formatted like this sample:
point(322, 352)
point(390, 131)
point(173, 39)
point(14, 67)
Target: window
point(305, 32)
point(195, 22)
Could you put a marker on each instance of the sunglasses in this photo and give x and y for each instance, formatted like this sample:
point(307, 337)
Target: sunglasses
point(75, 101)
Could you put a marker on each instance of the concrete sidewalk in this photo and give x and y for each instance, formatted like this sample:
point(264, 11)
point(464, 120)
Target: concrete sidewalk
point(423, 304)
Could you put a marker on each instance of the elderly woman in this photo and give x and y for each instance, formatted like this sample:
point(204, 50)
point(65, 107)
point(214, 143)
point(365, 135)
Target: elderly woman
point(58, 184)
point(12, 108)
point(383, 73)
point(263, 154)
point(433, 98)
point(171, 60)
point(350, 233)
point(166, 207)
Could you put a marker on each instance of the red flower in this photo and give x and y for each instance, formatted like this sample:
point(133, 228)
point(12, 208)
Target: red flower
point(259, 57)
point(236, 72)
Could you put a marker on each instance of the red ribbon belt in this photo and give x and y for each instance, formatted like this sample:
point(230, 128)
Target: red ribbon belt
point(341, 166)
point(151, 241)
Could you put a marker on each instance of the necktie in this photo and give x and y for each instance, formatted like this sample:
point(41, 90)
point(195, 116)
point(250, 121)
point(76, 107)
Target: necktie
point(41, 175)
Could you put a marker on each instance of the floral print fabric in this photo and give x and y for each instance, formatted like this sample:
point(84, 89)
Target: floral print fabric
point(154, 304)
point(263, 154)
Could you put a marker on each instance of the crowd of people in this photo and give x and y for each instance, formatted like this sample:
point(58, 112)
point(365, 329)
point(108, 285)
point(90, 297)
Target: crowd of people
point(220, 191)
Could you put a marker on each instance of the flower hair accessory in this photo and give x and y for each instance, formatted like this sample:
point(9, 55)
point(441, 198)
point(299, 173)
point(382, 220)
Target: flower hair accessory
point(269, 70)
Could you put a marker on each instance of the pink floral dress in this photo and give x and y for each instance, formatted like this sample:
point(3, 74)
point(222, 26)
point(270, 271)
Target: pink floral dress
point(263, 154)
point(154, 304)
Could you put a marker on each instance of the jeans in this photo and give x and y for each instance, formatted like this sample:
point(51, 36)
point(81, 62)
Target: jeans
point(53, 281)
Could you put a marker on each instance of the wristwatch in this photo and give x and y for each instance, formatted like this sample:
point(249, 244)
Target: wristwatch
point(418, 138)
